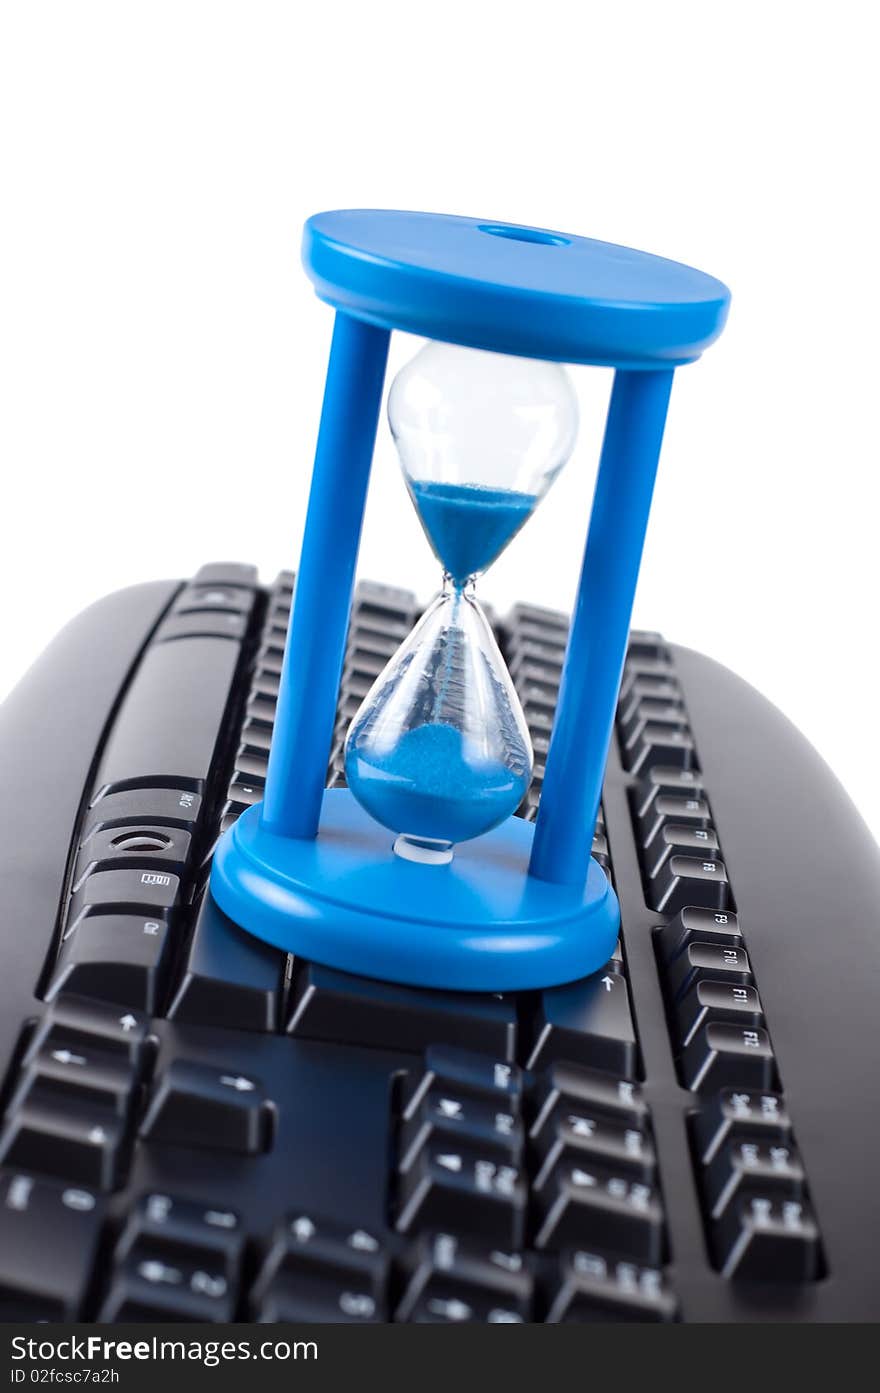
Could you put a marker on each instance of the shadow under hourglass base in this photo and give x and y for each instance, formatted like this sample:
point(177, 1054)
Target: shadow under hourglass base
point(479, 923)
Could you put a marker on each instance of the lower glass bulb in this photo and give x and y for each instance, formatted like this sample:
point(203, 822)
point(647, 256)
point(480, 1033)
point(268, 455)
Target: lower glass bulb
point(439, 751)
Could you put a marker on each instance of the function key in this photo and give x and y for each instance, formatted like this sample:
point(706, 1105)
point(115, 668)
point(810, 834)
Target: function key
point(197, 1105)
point(689, 880)
point(694, 922)
point(174, 807)
point(678, 839)
point(737, 1114)
point(717, 1001)
point(662, 780)
point(453, 1284)
point(587, 1022)
point(317, 1271)
point(687, 812)
point(596, 1288)
point(49, 1235)
point(700, 962)
point(663, 745)
point(729, 1056)
point(645, 644)
point(770, 1240)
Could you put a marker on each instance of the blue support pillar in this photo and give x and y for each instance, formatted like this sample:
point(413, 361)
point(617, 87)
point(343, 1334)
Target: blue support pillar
point(572, 786)
point(315, 649)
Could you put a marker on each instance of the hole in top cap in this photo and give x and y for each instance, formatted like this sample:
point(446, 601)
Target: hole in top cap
point(524, 234)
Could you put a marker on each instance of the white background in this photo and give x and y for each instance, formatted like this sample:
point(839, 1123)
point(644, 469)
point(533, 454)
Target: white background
point(162, 354)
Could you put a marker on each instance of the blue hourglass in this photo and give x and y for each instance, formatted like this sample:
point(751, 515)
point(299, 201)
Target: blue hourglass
point(440, 750)
point(420, 872)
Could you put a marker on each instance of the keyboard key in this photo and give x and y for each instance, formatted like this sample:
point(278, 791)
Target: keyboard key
point(78, 1144)
point(87, 1076)
point(636, 668)
point(705, 925)
point(450, 1121)
point(198, 598)
point(701, 962)
point(171, 716)
point(577, 1138)
point(728, 1056)
point(147, 1288)
point(718, 1001)
point(588, 1022)
point(330, 1005)
point(596, 1288)
point(644, 643)
point(230, 979)
point(197, 1105)
point(467, 1075)
point(642, 689)
point(202, 623)
point(736, 1115)
point(49, 1236)
point(649, 712)
point(130, 891)
point(663, 780)
point(318, 1271)
point(77, 1024)
point(156, 807)
point(584, 1203)
point(675, 839)
point(568, 1088)
point(165, 1226)
point(669, 808)
point(135, 847)
point(458, 1189)
point(772, 1169)
point(686, 880)
point(114, 957)
point(769, 1240)
point(453, 1283)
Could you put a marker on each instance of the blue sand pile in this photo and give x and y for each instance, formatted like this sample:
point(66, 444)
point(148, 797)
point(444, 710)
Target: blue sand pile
point(469, 525)
point(426, 787)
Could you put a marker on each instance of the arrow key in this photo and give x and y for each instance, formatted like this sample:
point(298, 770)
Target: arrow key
point(81, 1025)
point(587, 1022)
point(74, 1143)
point(450, 1120)
point(79, 1076)
point(199, 1105)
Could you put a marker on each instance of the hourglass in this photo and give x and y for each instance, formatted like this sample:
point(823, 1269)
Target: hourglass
point(439, 750)
point(419, 871)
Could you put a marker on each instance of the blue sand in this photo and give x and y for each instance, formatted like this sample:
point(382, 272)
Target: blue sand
point(427, 788)
point(469, 525)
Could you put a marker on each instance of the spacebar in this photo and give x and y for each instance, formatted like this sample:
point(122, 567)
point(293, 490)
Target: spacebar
point(169, 722)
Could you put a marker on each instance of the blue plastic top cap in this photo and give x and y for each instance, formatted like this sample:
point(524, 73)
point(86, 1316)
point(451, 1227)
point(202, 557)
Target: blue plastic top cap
point(513, 289)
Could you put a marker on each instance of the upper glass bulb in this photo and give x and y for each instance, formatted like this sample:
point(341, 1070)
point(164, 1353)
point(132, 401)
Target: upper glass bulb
point(481, 437)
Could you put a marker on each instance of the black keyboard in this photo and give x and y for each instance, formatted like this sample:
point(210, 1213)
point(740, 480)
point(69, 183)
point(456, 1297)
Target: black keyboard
point(198, 1127)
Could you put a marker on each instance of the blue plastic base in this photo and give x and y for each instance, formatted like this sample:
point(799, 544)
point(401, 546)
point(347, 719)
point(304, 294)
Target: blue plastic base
point(480, 923)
